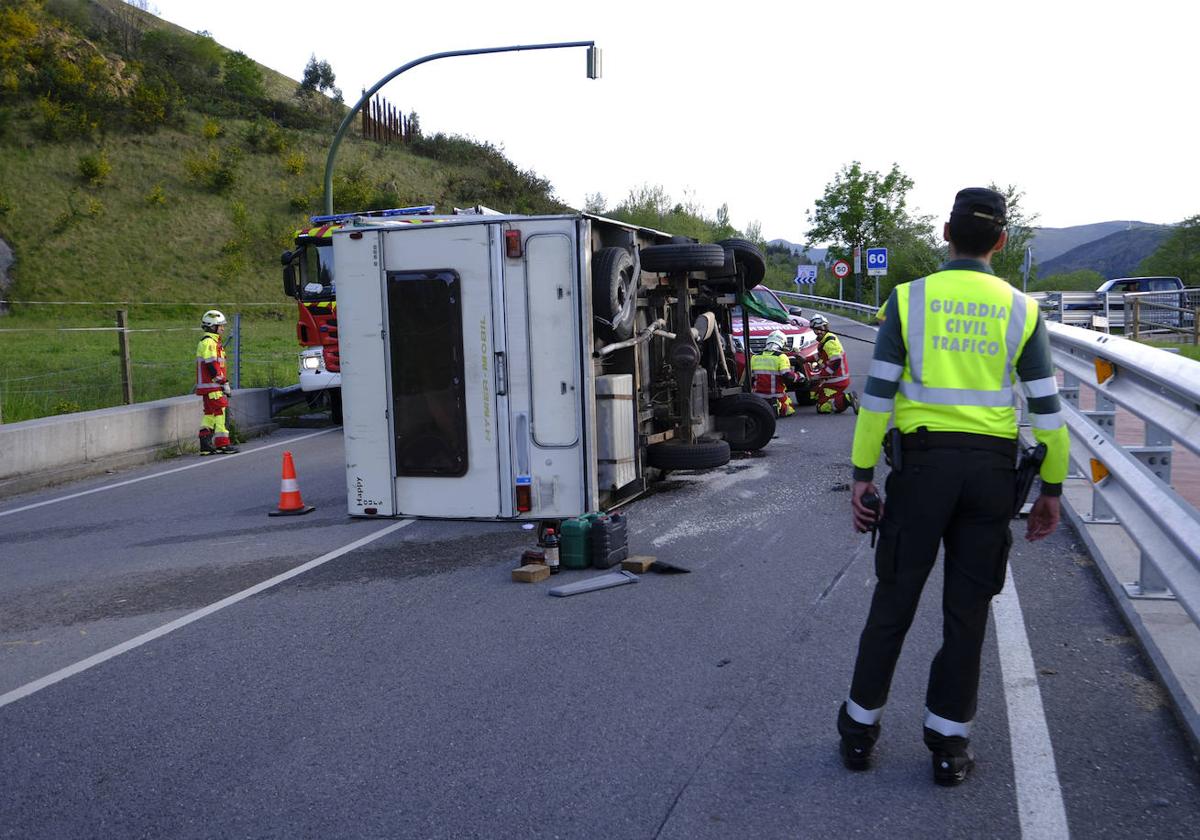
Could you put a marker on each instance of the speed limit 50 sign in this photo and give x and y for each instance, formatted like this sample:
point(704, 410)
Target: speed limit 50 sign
point(841, 269)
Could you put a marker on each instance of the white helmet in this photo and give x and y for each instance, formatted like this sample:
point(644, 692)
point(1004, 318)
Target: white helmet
point(775, 341)
point(212, 319)
point(818, 322)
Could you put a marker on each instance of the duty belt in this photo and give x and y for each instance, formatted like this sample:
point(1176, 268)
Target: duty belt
point(922, 438)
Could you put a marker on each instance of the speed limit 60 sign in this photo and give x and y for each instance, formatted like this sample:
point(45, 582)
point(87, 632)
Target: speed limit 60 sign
point(876, 262)
point(841, 269)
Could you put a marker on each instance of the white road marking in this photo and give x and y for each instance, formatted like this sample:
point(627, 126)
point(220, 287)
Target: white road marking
point(1039, 798)
point(203, 462)
point(136, 642)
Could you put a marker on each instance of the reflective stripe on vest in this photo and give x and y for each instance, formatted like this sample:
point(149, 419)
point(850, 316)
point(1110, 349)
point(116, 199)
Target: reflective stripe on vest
point(963, 331)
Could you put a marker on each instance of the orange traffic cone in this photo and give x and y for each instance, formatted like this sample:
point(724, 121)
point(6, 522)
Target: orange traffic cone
point(290, 503)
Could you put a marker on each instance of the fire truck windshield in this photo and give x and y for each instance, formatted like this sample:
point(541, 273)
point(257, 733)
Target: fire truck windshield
point(316, 272)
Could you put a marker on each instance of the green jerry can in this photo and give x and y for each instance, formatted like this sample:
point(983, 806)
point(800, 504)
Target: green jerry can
point(576, 550)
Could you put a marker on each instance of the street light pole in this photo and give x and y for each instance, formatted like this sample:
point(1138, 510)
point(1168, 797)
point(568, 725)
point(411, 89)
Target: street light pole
point(593, 66)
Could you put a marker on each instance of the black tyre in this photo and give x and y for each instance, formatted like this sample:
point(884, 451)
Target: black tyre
point(726, 278)
point(614, 293)
point(677, 455)
point(758, 418)
point(747, 254)
point(335, 405)
point(680, 257)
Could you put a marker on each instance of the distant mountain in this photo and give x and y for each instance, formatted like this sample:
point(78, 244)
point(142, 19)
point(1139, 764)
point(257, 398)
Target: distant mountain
point(816, 255)
point(1114, 255)
point(1049, 243)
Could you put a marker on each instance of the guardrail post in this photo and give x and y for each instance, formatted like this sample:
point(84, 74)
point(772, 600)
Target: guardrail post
point(1137, 316)
point(1062, 309)
point(1196, 325)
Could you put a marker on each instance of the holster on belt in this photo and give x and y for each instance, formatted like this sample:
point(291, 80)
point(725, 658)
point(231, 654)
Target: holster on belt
point(893, 449)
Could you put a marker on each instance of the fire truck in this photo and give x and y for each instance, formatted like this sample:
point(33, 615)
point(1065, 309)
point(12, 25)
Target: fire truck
point(532, 367)
point(308, 277)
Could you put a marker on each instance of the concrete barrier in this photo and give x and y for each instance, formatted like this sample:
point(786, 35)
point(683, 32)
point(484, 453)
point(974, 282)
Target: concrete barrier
point(51, 450)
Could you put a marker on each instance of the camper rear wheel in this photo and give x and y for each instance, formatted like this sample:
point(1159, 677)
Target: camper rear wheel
point(614, 293)
point(746, 254)
point(679, 455)
point(758, 417)
point(681, 257)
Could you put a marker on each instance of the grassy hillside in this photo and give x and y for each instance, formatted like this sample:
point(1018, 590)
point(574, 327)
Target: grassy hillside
point(106, 196)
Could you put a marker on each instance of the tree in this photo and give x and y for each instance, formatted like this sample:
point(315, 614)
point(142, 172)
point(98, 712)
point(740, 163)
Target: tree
point(1008, 263)
point(1178, 256)
point(243, 78)
point(319, 78)
point(595, 203)
point(869, 209)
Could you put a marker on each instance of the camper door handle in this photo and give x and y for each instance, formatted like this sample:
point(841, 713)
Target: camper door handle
point(501, 375)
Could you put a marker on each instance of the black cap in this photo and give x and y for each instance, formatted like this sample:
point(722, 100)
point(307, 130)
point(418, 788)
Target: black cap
point(980, 203)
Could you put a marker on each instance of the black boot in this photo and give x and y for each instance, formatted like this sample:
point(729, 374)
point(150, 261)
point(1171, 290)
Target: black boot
point(206, 442)
point(952, 757)
point(858, 741)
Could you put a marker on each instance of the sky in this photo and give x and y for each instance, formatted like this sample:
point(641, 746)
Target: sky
point(1088, 108)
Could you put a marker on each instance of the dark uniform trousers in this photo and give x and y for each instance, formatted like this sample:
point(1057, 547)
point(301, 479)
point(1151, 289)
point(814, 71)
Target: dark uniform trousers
point(963, 498)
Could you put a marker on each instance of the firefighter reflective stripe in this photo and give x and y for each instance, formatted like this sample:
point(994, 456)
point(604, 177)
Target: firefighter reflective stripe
point(1040, 387)
point(1047, 421)
point(874, 403)
point(867, 717)
point(944, 726)
point(885, 370)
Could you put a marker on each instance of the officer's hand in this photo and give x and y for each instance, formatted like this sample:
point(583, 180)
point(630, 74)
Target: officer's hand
point(220, 380)
point(225, 389)
point(864, 517)
point(1043, 518)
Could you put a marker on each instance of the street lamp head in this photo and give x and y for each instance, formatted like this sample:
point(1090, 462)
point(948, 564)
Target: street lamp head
point(593, 62)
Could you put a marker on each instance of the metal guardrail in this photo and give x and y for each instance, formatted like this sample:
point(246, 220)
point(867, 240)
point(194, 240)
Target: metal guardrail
point(1132, 485)
point(831, 303)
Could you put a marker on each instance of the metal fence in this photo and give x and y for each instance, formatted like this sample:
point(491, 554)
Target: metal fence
point(1140, 314)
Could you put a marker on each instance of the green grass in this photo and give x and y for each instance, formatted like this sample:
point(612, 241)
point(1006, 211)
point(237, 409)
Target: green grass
point(1190, 351)
point(46, 369)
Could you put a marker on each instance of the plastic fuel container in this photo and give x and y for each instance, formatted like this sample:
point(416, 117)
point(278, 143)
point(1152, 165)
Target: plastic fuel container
point(576, 550)
point(609, 539)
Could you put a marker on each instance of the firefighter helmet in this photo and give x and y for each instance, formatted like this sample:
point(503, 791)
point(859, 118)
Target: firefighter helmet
point(775, 341)
point(212, 319)
point(818, 322)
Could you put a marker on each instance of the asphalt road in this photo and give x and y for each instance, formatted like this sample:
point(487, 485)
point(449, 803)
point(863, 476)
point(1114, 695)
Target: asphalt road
point(407, 688)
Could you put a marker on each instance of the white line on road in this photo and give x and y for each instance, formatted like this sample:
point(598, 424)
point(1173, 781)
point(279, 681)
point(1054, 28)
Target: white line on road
point(136, 642)
point(203, 462)
point(1039, 797)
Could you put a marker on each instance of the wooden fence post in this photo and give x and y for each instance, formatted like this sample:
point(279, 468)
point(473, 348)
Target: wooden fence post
point(123, 342)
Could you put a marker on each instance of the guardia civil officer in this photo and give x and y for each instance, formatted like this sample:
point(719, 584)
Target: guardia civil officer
point(947, 357)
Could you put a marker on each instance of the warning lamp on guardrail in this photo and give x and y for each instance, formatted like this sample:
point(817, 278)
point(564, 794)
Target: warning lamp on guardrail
point(1104, 370)
point(512, 244)
point(1099, 471)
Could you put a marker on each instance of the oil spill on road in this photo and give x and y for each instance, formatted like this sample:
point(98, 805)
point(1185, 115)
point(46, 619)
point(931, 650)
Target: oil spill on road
point(144, 593)
point(414, 559)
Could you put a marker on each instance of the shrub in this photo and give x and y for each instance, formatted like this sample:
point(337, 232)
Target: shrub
point(212, 129)
point(152, 104)
point(95, 208)
point(295, 163)
point(95, 168)
point(156, 196)
point(215, 171)
point(66, 407)
point(264, 136)
point(243, 79)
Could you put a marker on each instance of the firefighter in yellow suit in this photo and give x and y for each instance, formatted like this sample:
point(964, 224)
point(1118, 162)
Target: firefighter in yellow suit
point(771, 372)
point(212, 386)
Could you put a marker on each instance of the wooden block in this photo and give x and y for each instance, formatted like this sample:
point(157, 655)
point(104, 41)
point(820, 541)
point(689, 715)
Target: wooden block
point(639, 563)
point(531, 573)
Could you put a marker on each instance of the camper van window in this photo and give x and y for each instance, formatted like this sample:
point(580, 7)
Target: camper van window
point(429, 411)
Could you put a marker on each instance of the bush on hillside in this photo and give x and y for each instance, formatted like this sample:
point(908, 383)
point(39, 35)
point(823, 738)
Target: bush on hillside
point(242, 79)
point(192, 61)
point(263, 136)
point(215, 171)
point(152, 104)
point(95, 168)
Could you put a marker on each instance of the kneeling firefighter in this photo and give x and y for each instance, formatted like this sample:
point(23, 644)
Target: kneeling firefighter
point(832, 394)
point(772, 373)
point(212, 386)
